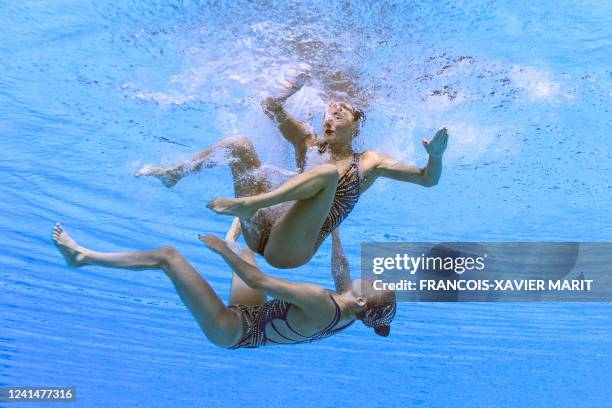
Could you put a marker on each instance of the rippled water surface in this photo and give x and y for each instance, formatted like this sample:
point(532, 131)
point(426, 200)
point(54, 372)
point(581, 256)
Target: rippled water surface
point(89, 92)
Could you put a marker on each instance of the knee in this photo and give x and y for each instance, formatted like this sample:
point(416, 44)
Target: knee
point(225, 330)
point(238, 143)
point(328, 171)
point(168, 255)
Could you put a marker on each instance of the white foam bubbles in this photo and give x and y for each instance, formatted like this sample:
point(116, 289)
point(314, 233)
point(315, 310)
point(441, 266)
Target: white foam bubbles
point(468, 143)
point(535, 82)
point(164, 99)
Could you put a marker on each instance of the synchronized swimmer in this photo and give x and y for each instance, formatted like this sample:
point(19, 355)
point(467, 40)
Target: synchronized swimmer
point(298, 312)
point(286, 225)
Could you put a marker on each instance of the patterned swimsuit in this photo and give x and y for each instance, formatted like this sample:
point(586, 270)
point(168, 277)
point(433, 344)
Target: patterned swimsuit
point(274, 313)
point(347, 195)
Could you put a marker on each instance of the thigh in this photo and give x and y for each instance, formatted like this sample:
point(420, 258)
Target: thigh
point(222, 326)
point(241, 293)
point(294, 235)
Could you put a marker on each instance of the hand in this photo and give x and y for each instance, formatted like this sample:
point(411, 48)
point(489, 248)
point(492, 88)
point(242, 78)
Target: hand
point(214, 243)
point(291, 81)
point(270, 104)
point(437, 145)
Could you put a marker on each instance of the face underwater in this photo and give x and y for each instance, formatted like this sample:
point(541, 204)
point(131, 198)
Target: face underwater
point(338, 123)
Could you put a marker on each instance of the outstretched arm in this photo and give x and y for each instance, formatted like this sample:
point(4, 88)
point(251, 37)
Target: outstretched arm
point(311, 298)
point(427, 176)
point(340, 265)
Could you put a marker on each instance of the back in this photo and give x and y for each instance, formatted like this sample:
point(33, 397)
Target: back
point(269, 324)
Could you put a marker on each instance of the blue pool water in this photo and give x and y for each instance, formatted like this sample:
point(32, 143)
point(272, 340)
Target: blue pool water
point(90, 92)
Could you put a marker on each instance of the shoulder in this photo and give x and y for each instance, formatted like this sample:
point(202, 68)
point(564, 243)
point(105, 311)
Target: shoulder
point(371, 157)
point(316, 292)
point(370, 166)
point(314, 299)
point(370, 160)
point(318, 311)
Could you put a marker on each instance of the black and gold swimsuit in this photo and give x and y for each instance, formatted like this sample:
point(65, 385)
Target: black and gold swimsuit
point(347, 195)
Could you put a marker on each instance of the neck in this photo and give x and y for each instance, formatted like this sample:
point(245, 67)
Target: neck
point(339, 152)
point(348, 304)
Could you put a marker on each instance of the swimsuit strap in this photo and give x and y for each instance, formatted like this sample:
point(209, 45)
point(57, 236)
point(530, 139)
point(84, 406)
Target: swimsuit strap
point(355, 165)
point(336, 317)
point(332, 329)
point(329, 330)
point(351, 179)
point(325, 332)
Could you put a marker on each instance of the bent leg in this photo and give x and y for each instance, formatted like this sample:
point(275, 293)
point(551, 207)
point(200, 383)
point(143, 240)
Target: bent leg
point(222, 326)
point(293, 237)
point(243, 161)
point(304, 186)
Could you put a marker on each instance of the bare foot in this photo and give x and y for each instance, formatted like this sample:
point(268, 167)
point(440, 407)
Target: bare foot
point(214, 243)
point(73, 253)
point(167, 176)
point(237, 207)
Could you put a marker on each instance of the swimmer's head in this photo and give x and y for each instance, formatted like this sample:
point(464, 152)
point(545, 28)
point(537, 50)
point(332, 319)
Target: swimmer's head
point(376, 307)
point(341, 123)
